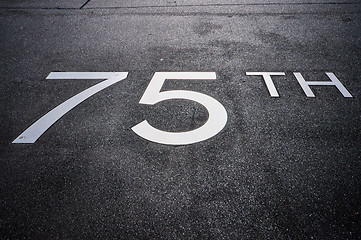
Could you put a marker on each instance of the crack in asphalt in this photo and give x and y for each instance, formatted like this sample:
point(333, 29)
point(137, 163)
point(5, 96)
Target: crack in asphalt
point(84, 4)
point(226, 5)
point(183, 5)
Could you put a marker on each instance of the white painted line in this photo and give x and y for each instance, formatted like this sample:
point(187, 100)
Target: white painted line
point(85, 75)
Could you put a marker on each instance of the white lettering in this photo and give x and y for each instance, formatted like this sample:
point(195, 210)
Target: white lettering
point(334, 82)
point(268, 80)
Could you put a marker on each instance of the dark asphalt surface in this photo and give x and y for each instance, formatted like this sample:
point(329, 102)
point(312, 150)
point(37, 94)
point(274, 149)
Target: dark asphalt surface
point(282, 168)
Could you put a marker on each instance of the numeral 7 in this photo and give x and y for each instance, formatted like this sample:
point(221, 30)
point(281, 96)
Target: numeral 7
point(32, 133)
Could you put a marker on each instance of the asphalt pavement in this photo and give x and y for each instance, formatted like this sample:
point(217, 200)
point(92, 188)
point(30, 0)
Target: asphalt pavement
point(261, 140)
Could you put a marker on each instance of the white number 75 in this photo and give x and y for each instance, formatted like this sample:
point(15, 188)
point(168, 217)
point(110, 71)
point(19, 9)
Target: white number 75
point(217, 114)
point(152, 95)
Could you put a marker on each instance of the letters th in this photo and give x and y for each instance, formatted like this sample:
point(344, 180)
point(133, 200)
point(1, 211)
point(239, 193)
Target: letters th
point(267, 77)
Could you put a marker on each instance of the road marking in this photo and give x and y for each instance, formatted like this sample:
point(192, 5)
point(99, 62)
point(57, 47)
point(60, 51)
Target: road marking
point(31, 134)
point(217, 114)
point(334, 82)
point(268, 80)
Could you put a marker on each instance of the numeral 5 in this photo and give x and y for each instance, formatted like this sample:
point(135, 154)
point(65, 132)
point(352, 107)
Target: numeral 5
point(217, 114)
